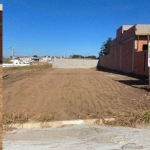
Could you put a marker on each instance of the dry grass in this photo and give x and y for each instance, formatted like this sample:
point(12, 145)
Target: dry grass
point(26, 117)
point(45, 117)
point(16, 118)
point(10, 70)
point(131, 119)
point(32, 67)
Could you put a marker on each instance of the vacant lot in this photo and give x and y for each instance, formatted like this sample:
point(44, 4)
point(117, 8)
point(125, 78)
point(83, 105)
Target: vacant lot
point(0, 107)
point(58, 94)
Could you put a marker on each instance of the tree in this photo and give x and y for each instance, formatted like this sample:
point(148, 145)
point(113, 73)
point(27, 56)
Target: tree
point(77, 56)
point(105, 48)
point(91, 57)
point(35, 56)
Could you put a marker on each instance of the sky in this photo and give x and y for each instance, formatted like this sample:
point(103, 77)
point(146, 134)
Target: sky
point(66, 27)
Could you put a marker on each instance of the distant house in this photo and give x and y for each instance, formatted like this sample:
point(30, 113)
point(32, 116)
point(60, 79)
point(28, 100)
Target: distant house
point(35, 59)
point(15, 62)
point(25, 60)
point(46, 58)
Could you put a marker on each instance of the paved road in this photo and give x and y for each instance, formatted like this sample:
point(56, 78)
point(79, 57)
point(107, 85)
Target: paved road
point(81, 137)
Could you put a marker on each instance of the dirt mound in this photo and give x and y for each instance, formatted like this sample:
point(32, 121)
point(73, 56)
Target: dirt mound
point(62, 94)
point(0, 107)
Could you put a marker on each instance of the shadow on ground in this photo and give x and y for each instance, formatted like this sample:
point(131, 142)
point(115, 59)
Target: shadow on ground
point(140, 82)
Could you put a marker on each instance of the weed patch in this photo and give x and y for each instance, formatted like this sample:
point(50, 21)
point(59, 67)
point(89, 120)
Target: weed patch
point(32, 67)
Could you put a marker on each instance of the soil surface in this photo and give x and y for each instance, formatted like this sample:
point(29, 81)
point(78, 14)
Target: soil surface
point(0, 107)
point(63, 94)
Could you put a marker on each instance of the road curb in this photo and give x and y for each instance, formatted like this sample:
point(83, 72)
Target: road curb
point(56, 124)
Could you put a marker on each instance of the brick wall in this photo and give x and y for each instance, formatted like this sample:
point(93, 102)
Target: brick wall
point(119, 33)
point(142, 40)
point(118, 57)
point(112, 58)
point(113, 42)
point(129, 33)
point(141, 63)
point(122, 34)
point(126, 58)
point(104, 61)
point(0, 37)
point(112, 61)
point(124, 54)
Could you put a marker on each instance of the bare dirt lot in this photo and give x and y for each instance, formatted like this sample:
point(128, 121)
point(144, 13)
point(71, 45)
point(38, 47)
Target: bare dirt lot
point(0, 107)
point(62, 94)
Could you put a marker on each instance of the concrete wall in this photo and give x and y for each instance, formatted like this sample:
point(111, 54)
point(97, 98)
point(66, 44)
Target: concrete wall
point(142, 29)
point(74, 63)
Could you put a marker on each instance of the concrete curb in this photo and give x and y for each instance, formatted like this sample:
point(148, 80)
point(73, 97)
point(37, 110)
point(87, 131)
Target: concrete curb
point(56, 124)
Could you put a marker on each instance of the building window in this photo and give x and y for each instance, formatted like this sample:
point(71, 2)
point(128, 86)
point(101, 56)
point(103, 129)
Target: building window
point(145, 47)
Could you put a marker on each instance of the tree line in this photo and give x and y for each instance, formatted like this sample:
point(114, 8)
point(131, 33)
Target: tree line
point(80, 56)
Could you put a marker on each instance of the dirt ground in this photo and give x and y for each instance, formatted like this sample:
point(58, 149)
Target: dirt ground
point(0, 107)
point(62, 94)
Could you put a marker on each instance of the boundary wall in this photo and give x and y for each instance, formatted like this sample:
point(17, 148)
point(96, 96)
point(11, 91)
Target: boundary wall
point(74, 63)
point(127, 52)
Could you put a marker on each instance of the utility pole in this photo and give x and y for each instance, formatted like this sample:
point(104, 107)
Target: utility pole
point(64, 55)
point(12, 49)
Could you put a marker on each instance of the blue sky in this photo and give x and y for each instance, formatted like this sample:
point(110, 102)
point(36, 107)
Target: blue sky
point(58, 27)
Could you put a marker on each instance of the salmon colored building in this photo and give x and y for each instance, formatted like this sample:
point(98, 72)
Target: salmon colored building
point(129, 50)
